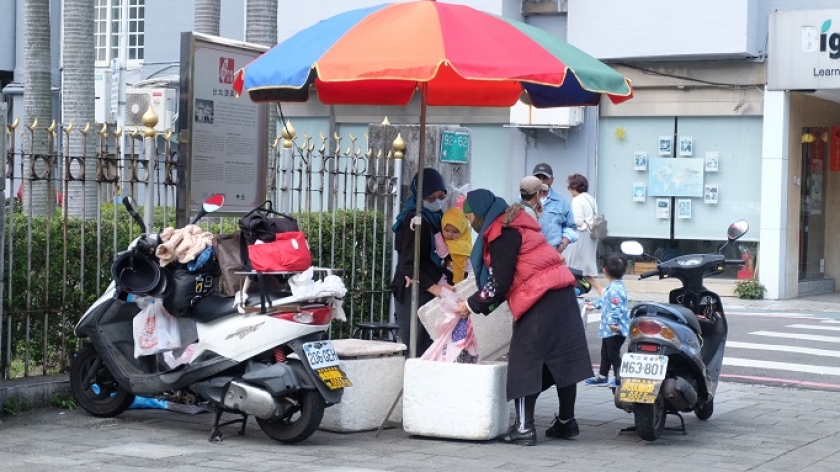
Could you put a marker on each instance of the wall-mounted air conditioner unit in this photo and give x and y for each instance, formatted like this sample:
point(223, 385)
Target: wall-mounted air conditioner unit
point(526, 116)
point(137, 101)
point(102, 92)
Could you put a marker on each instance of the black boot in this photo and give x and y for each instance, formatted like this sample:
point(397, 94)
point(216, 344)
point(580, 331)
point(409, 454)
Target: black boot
point(561, 430)
point(523, 431)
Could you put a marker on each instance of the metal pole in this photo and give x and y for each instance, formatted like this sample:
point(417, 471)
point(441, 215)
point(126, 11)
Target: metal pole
point(121, 68)
point(150, 120)
point(415, 281)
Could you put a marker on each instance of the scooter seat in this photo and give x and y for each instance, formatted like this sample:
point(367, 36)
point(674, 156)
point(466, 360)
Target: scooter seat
point(677, 313)
point(212, 307)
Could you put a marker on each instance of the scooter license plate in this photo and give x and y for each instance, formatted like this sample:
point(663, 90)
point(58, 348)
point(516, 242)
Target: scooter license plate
point(641, 377)
point(324, 361)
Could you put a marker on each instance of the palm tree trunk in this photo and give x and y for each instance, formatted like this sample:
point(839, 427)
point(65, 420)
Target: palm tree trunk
point(261, 28)
point(38, 196)
point(207, 15)
point(78, 103)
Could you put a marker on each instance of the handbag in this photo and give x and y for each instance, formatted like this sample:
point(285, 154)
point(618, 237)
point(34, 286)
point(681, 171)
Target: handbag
point(289, 252)
point(598, 228)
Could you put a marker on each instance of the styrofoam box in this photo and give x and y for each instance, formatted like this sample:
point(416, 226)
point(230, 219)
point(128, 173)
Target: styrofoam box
point(457, 401)
point(376, 370)
point(492, 332)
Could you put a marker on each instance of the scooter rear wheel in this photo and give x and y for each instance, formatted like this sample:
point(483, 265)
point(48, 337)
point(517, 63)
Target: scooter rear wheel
point(300, 422)
point(650, 419)
point(705, 412)
point(94, 387)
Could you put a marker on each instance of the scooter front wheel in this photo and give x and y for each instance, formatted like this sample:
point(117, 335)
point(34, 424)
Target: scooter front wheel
point(300, 421)
point(650, 419)
point(94, 387)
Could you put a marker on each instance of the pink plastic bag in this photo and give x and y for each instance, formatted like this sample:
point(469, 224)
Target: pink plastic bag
point(455, 336)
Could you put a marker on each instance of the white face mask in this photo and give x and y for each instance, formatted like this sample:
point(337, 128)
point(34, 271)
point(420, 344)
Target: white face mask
point(434, 206)
point(543, 200)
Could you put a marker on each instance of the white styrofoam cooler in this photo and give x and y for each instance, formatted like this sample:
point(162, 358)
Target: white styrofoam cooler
point(376, 370)
point(458, 401)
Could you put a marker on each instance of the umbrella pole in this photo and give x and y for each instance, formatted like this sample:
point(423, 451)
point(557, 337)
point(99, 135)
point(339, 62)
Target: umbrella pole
point(415, 281)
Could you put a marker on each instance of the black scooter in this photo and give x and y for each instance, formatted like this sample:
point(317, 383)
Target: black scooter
point(675, 350)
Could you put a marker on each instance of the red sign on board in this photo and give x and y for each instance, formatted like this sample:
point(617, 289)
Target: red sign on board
point(834, 149)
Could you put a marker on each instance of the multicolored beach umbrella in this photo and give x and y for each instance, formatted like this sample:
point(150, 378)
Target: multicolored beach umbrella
point(461, 56)
point(453, 55)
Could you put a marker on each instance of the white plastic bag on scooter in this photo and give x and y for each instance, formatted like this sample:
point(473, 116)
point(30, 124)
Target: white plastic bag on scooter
point(155, 330)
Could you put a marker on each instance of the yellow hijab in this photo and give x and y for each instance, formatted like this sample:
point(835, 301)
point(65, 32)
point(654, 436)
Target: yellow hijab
point(463, 245)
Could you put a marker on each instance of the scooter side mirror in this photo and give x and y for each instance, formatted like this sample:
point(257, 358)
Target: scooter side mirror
point(737, 229)
point(632, 248)
point(213, 203)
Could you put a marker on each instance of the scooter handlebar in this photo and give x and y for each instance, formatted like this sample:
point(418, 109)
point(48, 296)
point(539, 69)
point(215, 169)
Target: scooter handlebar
point(649, 273)
point(733, 262)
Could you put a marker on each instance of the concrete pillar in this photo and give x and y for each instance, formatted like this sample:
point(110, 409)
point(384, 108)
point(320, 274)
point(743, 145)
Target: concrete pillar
point(774, 193)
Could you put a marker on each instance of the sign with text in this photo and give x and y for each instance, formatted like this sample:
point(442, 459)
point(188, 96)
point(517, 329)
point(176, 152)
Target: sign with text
point(454, 147)
point(224, 137)
point(804, 50)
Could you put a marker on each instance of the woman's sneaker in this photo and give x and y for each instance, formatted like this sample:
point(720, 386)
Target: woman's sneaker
point(597, 381)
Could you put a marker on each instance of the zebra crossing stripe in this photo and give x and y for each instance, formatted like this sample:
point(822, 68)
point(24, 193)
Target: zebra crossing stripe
point(804, 337)
point(782, 348)
point(817, 326)
point(787, 366)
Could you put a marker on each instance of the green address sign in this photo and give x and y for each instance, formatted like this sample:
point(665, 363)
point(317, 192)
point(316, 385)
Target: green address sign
point(454, 147)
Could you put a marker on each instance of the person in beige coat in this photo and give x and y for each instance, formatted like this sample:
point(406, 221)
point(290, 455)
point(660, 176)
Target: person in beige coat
point(582, 255)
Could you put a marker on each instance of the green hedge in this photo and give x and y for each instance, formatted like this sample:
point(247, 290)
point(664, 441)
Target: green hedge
point(55, 297)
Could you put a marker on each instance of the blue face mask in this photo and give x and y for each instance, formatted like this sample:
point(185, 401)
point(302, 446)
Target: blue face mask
point(434, 206)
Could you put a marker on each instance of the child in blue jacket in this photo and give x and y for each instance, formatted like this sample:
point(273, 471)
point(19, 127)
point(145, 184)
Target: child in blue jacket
point(615, 320)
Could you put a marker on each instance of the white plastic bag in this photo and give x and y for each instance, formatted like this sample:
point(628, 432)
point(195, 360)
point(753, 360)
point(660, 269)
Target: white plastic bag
point(184, 358)
point(455, 336)
point(155, 330)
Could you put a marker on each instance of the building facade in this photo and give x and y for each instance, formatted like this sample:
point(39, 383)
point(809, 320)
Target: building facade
point(716, 131)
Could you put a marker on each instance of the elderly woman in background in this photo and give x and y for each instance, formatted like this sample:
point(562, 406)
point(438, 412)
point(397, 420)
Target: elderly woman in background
point(582, 255)
point(513, 262)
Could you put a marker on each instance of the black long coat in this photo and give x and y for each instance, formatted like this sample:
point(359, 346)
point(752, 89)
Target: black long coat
point(548, 346)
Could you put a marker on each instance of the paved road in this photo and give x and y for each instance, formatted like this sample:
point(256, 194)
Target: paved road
point(754, 428)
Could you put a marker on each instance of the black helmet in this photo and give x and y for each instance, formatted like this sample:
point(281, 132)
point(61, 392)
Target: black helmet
point(165, 286)
point(136, 273)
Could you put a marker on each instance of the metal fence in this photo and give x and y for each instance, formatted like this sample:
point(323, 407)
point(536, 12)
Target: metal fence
point(63, 225)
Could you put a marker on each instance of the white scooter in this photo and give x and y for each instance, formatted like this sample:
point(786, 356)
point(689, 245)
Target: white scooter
point(271, 363)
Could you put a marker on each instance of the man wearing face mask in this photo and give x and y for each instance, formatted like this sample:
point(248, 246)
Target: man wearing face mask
point(433, 192)
point(557, 220)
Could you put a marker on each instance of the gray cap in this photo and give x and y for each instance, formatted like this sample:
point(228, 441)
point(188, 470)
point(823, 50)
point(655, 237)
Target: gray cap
point(530, 185)
point(543, 169)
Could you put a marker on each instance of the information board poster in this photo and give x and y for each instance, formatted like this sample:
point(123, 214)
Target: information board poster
point(224, 137)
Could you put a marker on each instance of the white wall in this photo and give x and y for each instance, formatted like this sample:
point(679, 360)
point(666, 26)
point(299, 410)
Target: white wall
point(619, 29)
point(296, 15)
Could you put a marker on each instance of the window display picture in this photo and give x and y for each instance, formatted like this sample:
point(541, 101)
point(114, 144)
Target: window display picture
point(639, 191)
point(711, 162)
point(686, 146)
point(665, 145)
point(640, 161)
point(663, 208)
point(684, 208)
point(710, 194)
